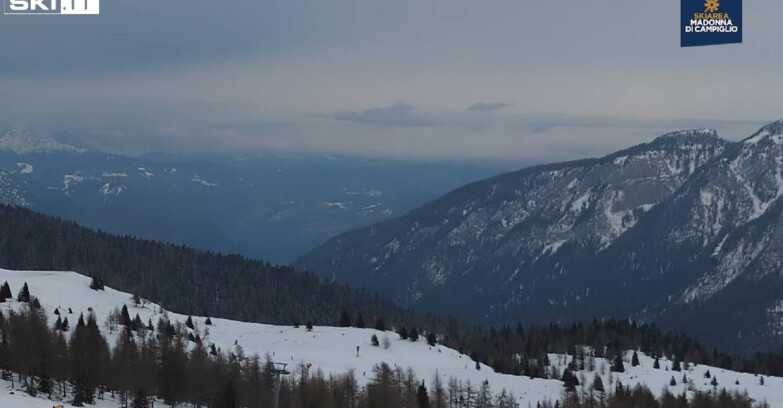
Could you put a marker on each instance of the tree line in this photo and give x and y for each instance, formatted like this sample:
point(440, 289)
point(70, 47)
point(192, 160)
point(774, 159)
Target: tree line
point(187, 280)
point(164, 362)
point(523, 350)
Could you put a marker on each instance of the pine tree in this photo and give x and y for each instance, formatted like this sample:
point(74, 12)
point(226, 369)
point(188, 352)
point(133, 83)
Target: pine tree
point(380, 324)
point(414, 334)
point(656, 364)
point(673, 382)
point(569, 380)
point(24, 294)
point(5, 292)
point(360, 321)
point(714, 381)
point(189, 323)
point(137, 323)
point(374, 341)
point(422, 397)
point(345, 320)
point(96, 284)
point(617, 365)
point(403, 333)
point(140, 400)
point(676, 365)
point(208, 322)
point(65, 326)
point(635, 359)
point(309, 325)
point(125, 318)
point(431, 339)
point(598, 384)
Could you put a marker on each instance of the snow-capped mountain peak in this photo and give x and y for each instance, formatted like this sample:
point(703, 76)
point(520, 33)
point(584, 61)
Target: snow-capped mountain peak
point(772, 131)
point(22, 141)
point(690, 133)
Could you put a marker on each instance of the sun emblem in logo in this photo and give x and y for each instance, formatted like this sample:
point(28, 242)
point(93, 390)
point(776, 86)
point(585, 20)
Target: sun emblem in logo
point(711, 6)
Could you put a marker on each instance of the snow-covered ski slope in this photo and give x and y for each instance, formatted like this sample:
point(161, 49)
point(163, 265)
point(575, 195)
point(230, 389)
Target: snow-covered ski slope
point(333, 350)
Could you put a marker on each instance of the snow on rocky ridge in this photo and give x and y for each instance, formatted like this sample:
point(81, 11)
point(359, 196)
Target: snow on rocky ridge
point(20, 141)
point(333, 350)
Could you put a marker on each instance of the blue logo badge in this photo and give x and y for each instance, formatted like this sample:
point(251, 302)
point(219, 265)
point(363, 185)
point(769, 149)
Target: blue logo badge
point(710, 22)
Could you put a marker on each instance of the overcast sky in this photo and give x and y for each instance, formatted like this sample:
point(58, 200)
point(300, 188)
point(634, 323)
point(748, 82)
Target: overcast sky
point(429, 79)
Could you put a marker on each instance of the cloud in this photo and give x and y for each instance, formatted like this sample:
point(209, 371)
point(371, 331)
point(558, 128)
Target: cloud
point(488, 107)
point(399, 114)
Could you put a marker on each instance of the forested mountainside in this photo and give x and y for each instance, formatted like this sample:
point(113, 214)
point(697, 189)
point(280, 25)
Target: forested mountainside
point(682, 231)
point(67, 338)
point(182, 278)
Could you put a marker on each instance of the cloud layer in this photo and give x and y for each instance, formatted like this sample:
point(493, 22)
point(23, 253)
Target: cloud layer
point(548, 80)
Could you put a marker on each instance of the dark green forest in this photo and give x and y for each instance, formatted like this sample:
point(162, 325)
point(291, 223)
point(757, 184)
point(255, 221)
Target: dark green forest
point(184, 279)
point(165, 362)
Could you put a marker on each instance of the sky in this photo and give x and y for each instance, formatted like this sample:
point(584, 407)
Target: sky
point(414, 79)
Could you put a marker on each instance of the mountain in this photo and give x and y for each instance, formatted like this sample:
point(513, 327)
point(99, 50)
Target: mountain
point(186, 279)
point(270, 207)
point(680, 231)
point(326, 352)
point(21, 141)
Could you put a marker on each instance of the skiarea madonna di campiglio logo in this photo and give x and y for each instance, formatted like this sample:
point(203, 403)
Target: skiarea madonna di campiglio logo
point(710, 22)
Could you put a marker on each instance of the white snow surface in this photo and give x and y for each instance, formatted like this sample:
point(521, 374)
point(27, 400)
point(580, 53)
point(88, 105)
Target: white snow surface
point(330, 349)
point(333, 350)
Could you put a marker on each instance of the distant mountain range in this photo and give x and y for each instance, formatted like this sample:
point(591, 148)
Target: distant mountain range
point(686, 230)
point(269, 207)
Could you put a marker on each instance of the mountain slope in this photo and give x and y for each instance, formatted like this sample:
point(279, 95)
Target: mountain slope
point(20, 141)
point(183, 278)
point(333, 350)
point(673, 231)
point(509, 233)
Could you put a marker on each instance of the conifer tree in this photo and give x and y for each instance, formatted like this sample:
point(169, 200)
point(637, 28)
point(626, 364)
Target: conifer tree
point(403, 333)
point(189, 323)
point(617, 365)
point(5, 292)
point(598, 384)
point(309, 325)
point(208, 322)
point(140, 399)
point(431, 339)
point(374, 341)
point(345, 320)
point(673, 382)
point(96, 283)
point(360, 321)
point(422, 397)
point(24, 294)
point(676, 365)
point(635, 359)
point(569, 380)
point(125, 318)
point(414, 334)
point(380, 324)
point(656, 364)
